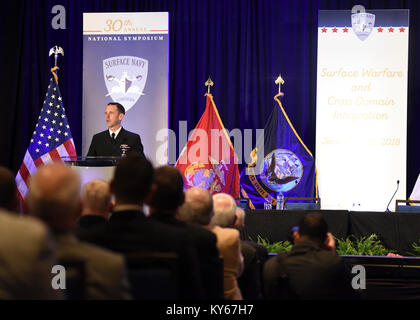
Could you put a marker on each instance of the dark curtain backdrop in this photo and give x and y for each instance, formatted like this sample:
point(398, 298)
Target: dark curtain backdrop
point(242, 44)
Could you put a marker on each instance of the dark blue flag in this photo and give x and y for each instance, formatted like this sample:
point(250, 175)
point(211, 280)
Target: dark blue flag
point(287, 165)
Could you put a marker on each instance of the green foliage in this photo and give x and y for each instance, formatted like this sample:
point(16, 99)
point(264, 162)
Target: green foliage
point(364, 246)
point(416, 250)
point(276, 247)
point(345, 246)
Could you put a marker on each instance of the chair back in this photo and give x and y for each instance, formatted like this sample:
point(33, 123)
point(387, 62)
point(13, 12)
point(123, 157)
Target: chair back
point(153, 275)
point(75, 279)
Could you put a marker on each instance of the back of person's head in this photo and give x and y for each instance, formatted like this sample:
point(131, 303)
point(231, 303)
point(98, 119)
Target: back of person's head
point(198, 206)
point(54, 196)
point(168, 195)
point(96, 198)
point(133, 178)
point(8, 190)
point(224, 208)
point(240, 219)
point(313, 227)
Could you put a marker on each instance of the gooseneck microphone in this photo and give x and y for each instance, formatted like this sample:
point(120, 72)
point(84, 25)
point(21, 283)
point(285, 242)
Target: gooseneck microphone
point(387, 207)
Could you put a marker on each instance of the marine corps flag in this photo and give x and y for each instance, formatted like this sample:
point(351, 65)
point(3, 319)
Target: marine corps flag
point(208, 160)
point(288, 165)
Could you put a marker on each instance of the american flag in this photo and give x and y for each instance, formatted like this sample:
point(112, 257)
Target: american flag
point(50, 141)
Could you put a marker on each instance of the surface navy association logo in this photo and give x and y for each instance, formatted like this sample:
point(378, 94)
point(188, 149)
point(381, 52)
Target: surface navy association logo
point(125, 78)
point(282, 170)
point(362, 24)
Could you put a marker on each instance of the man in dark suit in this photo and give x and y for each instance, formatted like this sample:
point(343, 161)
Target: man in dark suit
point(111, 142)
point(312, 269)
point(164, 207)
point(250, 282)
point(129, 231)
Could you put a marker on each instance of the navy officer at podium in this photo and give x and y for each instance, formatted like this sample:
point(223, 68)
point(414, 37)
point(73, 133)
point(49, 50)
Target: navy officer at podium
point(116, 140)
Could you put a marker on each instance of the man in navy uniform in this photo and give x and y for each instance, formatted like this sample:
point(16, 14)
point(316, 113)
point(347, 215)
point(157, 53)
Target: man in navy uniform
point(111, 142)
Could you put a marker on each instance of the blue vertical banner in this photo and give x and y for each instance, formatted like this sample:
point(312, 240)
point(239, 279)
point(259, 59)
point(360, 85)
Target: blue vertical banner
point(126, 60)
point(288, 165)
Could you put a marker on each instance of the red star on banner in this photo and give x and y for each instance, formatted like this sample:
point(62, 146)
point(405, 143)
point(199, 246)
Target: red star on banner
point(391, 29)
point(324, 30)
point(345, 30)
point(402, 29)
point(380, 29)
point(335, 30)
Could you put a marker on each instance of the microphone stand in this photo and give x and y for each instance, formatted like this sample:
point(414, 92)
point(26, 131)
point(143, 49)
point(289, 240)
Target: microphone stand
point(387, 207)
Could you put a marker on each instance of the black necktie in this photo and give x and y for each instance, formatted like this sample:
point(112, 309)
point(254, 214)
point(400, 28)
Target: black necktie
point(113, 137)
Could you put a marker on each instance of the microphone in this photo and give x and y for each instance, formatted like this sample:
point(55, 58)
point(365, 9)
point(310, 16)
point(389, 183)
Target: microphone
point(387, 207)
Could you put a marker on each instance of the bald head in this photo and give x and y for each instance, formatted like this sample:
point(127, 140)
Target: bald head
point(240, 219)
point(198, 206)
point(8, 194)
point(96, 198)
point(224, 207)
point(54, 196)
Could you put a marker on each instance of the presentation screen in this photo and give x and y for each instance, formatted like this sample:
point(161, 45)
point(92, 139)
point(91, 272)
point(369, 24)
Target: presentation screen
point(361, 121)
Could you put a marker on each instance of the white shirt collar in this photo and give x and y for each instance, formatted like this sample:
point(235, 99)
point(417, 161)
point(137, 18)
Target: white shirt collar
point(116, 132)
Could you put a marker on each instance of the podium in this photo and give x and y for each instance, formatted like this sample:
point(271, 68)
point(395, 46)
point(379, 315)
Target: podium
point(91, 168)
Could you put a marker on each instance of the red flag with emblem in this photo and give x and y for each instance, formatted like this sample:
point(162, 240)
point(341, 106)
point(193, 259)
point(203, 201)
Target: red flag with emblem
point(208, 160)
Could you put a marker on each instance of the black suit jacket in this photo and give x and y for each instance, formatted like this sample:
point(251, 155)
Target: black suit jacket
point(250, 280)
point(205, 243)
point(307, 272)
point(130, 232)
point(103, 145)
point(88, 222)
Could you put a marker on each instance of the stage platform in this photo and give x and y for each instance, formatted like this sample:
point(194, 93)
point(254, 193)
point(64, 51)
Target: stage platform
point(397, 231)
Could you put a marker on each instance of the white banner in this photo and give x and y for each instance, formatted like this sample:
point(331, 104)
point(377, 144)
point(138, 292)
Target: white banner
point(362, 108)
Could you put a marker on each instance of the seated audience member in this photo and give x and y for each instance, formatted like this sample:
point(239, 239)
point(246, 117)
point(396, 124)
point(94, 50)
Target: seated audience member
point(96, 205)
point(250, 282)
point(130, 231)
point(198, 208)
point(26, 259)
point(164, 207)
point(8, 191)
point(312, 269)
point(239, 224)
point(225, 216)
point(54, 197)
